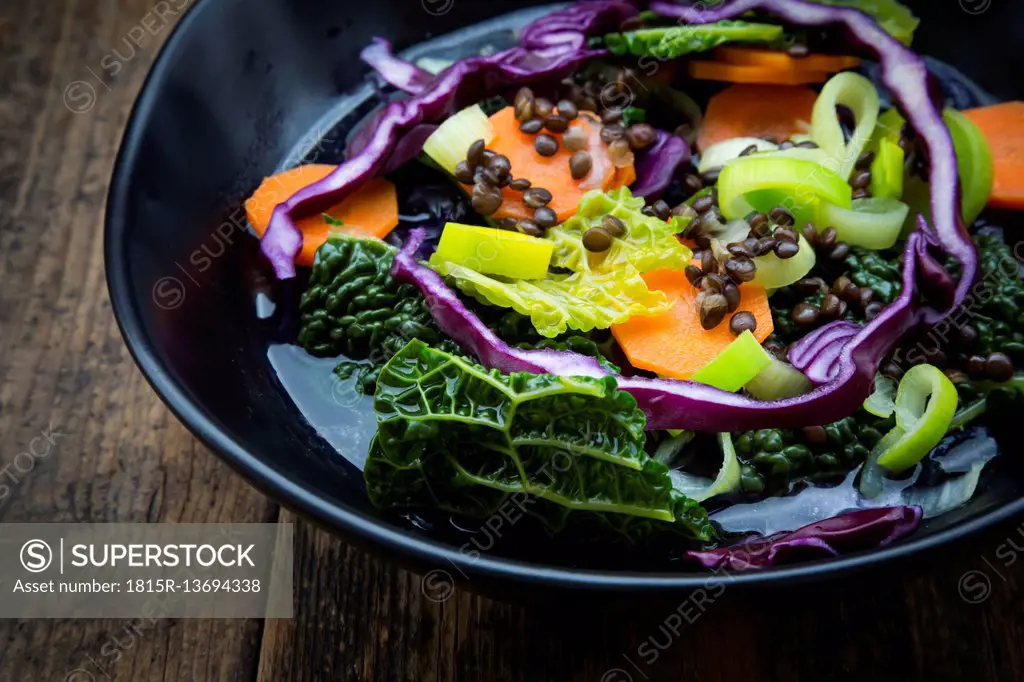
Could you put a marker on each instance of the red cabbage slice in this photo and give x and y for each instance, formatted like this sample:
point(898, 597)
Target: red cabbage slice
point(395, 71)
point(553, 47)
point(657, 165)
point(858, 530)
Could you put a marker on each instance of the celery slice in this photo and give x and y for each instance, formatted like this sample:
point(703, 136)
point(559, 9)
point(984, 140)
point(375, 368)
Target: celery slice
point(698, 488)
point(974, 161)
point(760, 183)
point(450, 142)
point(777, 381)
point(887, 171)
point(735, 365)
point(721, 153)
point(871, 223)
point(925, 403)
point(491, 251)
point(774, 272)
point(857, 94)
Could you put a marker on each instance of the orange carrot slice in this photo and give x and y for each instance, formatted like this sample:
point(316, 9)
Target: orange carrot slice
point(736, 73)
point(1003, 127)
point(372, 210)
point(552, 172)
point(778, 59)
point(673, 344)
point(756, 111)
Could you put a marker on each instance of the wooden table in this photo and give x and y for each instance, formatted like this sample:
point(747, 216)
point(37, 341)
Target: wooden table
point(125, 458)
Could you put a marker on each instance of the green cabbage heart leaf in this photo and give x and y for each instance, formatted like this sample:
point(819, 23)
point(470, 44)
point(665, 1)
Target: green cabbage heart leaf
point(567, 450)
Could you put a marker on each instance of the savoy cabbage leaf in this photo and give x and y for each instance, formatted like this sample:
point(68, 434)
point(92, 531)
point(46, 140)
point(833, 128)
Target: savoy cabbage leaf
point(648, 244)
point(669, 42)
point(454, 436)
point(582, 300)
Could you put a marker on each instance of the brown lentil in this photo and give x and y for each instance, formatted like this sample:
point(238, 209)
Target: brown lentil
point(620, 154)
point(865, 296)
point(810, 234)
point(976, 365)
point(529, 227)
point(784, 234)
point(741, 269)
point(999, 367)
point(692, 184)
point(580, 164)
point(556, 123)
point(713, 283)
point(546, 145)
point(507, 223)
point(865, 160)
point(840, 251)
point(661, 209)
point(542, 107)
point(708, 263)
point(524, 105)
point(710, 177)
point(475, 154)
point(810, 285)
point(545, 217)
point(732, 295)
point(463, 173)
point(713, 308)
point(702, 204)
point(535, 197)
point(805, 314)
point(765, 246)
point(739, 249)
point(520, 184)
point(596, 240)
point(613, 226)
point(781, 216)
point(693, 274)
point(640, 136)
point(531, 127)
point(827, 238)
point(786, 249)
point(485, 200)
point(829, 306)
point(567, 109)
point(612, 132)
point(684, 210)
point(611, 116)
point(741, 322)
point(758, 223)
point(575, 139)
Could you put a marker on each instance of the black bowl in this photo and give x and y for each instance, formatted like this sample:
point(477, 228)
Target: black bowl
point(243, 89)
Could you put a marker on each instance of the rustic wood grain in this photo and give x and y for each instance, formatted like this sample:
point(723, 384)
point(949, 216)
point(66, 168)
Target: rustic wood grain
point(121, 456)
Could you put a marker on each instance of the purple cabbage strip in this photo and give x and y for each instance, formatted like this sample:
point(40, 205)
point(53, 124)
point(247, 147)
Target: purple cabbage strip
point(816, 354)
point(395, 71)
point(858, 530)
point(657, 165)
point(456, 320)
point(465, 82)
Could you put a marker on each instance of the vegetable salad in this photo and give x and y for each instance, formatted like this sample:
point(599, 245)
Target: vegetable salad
point(693, 274)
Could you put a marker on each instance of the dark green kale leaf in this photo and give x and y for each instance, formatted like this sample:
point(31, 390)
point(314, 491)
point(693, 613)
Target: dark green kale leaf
point(873, 270)
point(456, 437)
point(774, 460)
point(995, 307)
point(517, 330)
point(353, 306)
